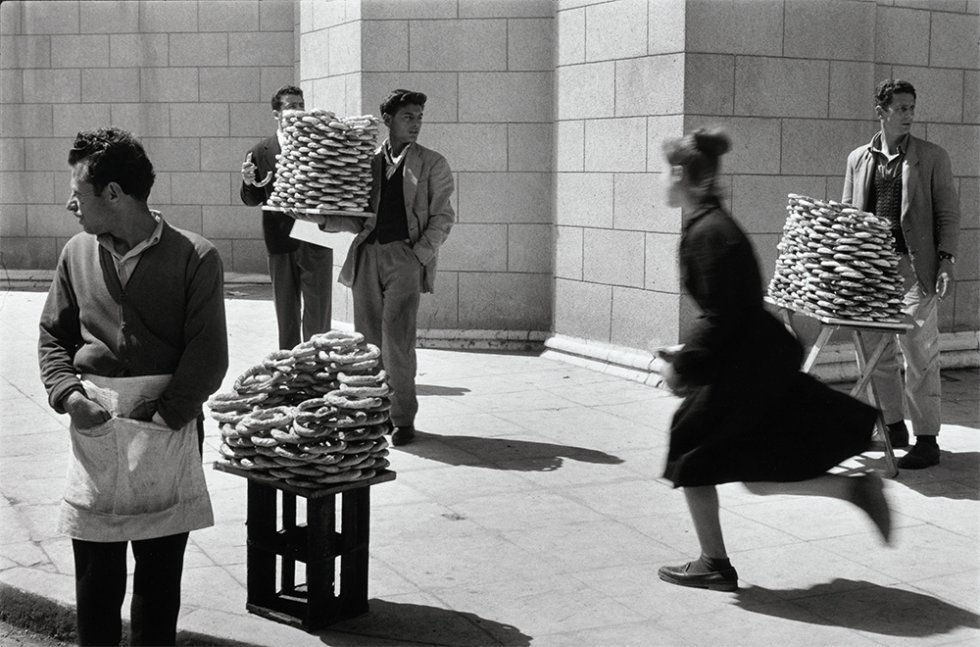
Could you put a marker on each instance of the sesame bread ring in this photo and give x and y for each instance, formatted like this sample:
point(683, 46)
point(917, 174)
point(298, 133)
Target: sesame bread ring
point(304, 351)
point(344, 400)
point(228, 417)
point(359, 419)
point(365, 391)
point(351, 460)
point(336, 339)
point(363, 380)
point(234, 402)
point(370, 351)
point(340, 477)
point(311, 432)
point(366, 365)
point(264, 441)
point(236, 452)
point(303, 470)
point(256, 379)
point(293, 454)
point(264, 419)
point(360, 447)
point(324, 448)
point(286, 437)
point(290, 463)
point(234, 441)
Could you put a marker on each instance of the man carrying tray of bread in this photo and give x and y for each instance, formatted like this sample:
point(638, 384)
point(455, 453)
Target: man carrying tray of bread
point(909, 182)
point(393, 257)
point(301, 272)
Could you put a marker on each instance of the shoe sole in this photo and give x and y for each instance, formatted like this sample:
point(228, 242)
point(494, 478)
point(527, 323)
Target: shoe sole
point(726, 587)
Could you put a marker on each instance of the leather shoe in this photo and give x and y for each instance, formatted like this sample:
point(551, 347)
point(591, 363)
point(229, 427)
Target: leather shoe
point(920, 457)
point(402, 435)
point(689, 574)
point(898, 433)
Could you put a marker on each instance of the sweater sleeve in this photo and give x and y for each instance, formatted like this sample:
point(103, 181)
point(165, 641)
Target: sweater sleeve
point(59, 338)
point(204, 360)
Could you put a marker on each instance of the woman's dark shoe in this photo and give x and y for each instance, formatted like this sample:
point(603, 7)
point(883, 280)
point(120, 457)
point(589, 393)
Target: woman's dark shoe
point(696, 575)
point(921, 455)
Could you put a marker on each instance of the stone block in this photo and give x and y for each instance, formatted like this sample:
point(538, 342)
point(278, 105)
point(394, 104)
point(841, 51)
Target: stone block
point(256, 49)
point(51, 220)
point(186, 217)
point(247, 257)
point(903, 36)
point(344, 49)
point(408, 9)
point(643, 319)
point(504, 197)
point(458, 45)
point(570, 146)
point(820, 147)
point(142, 119)
point(969, 192)
point(498, 301)
point(161, 195)
point(832, 29)
point(121, 85)
point(665, 27)
point(174, 153)
point(224, 153)
point(199, 49)
point(733, 27)
point(439, 310)
point(529, 147)
point(48, 154)
point(199, 120)
point(652, 85)
point(775, 87)
point(251, 119)
point(21, 120)
point(640, 203)
point(50, 17)
point(660, 129)
point(12, 156)
point(851, 90)
point(954, 41)
point(384, 45)
point(616, 30)
point(229, 84)
point(273, 78)
point(11, 86)
point(530, 44)
point(173, 16)
point(25, 51)
point(475, 248)
point(584, 199)
point(505, 97)
point(583, 310)
point(765, 247)
point(314, 59)
point(506, 9)
point(440, 88)
point(586, 91)
point(275, 15)
point(616, 144)
point(709, 84)
point(661, 270)
point(569, 252)
point(10, 17)
point(939, 93)
point(571, 37)
point(73, 50)
point(469, 147)
point(329, 94)
point(52, 86)
point(326, 14)
point(229, 15)
point(962, 142)
point(174, 84)
point(613, 257)
point(140, 50)
point(230, 221)
point(967, 305)
point(14, 221)
point(203, 189)
point(971, 97)
point(108, 17)
point(529, 248)
point(755, 142)
point(759, 201)
point(30, 253)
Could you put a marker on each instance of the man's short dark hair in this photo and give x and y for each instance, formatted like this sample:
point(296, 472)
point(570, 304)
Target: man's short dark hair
point(399, 99)
point(114, 155)
point(887, 90)
point(283, 91)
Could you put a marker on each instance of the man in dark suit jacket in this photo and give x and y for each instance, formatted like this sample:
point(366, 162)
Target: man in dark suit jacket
point(301, 272)
point(909, 182)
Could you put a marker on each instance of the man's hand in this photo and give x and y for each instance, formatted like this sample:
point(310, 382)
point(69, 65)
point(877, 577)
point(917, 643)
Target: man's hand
point(85, 413)
point(248, 173)
point(944, 277)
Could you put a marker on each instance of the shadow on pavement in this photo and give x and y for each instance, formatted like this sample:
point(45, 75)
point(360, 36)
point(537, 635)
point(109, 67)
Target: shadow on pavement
point(953, 478)
point(501, 453)
point(393, 623)
point(434, 389)
point(863, 606)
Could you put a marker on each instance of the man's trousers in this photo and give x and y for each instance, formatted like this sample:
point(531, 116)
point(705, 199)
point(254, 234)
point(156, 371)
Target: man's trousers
point(387, 287)
point(302, 288)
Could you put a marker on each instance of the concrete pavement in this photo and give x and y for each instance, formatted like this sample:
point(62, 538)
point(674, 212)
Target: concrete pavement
point(530, 511)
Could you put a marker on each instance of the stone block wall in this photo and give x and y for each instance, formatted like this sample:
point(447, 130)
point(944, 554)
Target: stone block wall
point(191, 78)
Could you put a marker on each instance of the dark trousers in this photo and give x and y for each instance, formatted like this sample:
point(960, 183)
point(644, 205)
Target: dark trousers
point(100, 586)
point(302, 288)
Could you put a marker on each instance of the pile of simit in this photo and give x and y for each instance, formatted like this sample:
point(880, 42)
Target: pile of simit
point(837, 261)
point(312, 417)
point(325, 162)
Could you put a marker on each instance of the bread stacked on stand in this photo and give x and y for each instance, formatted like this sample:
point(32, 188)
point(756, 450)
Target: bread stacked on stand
point(837, 261)
point(311, 417)
point(325, 162)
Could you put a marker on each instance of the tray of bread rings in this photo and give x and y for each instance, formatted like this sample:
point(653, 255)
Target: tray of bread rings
point(306, 211)
point(311, 417)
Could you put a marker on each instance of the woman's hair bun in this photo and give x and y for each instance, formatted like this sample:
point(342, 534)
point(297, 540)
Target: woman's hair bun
point(711, 141)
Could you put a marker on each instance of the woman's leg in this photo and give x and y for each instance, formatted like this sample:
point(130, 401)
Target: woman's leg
point(712, 570)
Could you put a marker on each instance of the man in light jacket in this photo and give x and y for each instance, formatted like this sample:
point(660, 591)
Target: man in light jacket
point(392, 260)
point(909, 182)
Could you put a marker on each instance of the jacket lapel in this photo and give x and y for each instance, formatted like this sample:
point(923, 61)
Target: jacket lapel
point(411, 172)
point(909, 175)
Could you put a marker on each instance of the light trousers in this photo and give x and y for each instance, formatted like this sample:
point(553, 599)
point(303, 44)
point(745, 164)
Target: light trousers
point(302, 289)
point(386, 291)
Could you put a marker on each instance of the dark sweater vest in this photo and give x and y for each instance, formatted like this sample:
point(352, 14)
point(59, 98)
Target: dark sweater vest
point(886, 202)
point(392, 222)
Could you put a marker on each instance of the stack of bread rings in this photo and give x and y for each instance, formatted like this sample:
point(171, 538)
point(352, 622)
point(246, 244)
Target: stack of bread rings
point(837, 261)
point(311, 417)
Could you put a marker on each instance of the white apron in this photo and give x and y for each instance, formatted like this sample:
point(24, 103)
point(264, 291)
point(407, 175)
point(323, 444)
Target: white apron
point(129, 479)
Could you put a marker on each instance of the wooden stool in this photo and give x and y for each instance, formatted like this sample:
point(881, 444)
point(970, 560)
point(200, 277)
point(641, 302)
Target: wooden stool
point(335, 555)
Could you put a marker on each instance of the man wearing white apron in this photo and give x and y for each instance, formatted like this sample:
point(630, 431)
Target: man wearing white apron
point(132, 342)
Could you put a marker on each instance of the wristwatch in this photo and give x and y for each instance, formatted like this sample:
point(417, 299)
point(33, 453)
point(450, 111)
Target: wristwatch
point(946, 256)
